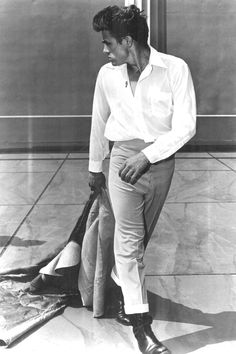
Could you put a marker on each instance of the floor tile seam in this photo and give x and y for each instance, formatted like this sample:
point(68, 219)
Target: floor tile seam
point(189, 274)
point(70, 321)
point(220, 158)
point(206, 170)
point(233, 170)
point(224, 164)
point(35, 159)
point(45, 171)
point(210, 153)
point(84, 158)
point(15, 204)
point(77, 158)
point(203, 202)
point(193, 158)
point(64, 204)
point(202, 170)
point(87, 158)
point(49, 204)
point(67, 155)
point(28, 172)
point(29, 211)
point(177, 158)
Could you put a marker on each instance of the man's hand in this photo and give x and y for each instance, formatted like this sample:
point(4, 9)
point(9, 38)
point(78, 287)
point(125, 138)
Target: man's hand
point(97, 181)
point(133, 168)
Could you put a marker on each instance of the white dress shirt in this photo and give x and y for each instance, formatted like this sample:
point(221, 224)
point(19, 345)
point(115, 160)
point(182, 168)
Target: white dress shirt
point(161, 111)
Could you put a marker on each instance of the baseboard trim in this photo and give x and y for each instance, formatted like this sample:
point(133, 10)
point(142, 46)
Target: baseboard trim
point(84, 147)
point(209, 148)
point(49, 148)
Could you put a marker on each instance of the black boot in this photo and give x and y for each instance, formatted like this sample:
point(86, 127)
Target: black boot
point(121, 316)
point(147, 342)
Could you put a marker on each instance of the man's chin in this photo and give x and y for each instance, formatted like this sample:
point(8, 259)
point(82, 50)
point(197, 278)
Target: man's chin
point(112, 62)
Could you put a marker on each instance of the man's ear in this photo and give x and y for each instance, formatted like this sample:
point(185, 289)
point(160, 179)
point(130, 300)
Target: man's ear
point(128, 40)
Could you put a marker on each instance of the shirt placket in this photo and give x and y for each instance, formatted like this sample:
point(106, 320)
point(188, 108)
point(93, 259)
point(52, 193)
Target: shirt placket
point(138, 104)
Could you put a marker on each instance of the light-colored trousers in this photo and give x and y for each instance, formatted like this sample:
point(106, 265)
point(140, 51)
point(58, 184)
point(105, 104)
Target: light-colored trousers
point(136, 209)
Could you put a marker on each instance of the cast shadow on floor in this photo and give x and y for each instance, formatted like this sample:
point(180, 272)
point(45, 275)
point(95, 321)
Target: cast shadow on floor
point(221, 325)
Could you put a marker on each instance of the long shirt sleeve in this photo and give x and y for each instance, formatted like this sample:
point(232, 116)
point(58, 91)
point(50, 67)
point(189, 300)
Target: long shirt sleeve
point(99, 144)
point(183, 119)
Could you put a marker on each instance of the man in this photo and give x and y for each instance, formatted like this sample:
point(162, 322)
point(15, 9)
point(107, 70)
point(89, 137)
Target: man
point(144, 102)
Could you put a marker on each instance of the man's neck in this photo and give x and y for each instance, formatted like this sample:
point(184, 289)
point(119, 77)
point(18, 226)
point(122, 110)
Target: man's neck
point(138, 59)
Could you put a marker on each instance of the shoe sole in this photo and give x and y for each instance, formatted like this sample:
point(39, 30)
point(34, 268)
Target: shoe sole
point(123, 323)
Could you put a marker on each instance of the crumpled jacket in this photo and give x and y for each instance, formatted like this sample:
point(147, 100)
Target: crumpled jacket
point(94, 255)
point(97, 257)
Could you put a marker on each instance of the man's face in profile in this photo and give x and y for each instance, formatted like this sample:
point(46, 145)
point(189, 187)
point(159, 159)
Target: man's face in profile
point(117, 52)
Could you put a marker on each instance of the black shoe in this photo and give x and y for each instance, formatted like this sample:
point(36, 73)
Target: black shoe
point(147, 342)
point(121, 316)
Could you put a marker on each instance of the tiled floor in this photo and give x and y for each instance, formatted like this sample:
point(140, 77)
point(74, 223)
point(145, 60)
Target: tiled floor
point(191, 271)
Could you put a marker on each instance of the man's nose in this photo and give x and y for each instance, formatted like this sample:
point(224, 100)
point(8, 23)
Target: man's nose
point(105, 49)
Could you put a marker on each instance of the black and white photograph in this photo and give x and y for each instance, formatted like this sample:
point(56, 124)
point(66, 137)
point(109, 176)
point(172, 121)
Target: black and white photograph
point(118, 176)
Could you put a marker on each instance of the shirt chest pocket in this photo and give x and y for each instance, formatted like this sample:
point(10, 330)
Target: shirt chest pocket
point(161, 104)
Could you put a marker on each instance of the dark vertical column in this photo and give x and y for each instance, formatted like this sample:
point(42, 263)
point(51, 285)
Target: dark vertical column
point(158, 25)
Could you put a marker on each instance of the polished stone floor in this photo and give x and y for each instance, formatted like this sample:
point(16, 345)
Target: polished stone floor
point(191, 258)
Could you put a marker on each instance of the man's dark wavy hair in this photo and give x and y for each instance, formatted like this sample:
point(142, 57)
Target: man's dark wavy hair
point(121, 22)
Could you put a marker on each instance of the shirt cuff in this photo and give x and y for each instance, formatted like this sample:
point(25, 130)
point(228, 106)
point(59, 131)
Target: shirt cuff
point(95, 166)
point(148, 152)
